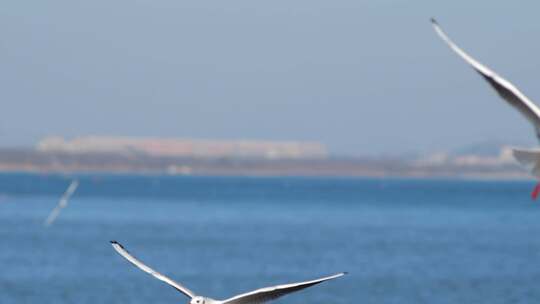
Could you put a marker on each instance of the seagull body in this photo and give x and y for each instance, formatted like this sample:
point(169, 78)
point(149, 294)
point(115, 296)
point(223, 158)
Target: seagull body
point(529, 158)
point(62, 203)
point(258, 296)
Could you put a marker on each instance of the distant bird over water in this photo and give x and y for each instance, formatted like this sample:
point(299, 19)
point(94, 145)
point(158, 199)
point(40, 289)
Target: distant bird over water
point(62, 203)
point(529, 158)
point(253, 297)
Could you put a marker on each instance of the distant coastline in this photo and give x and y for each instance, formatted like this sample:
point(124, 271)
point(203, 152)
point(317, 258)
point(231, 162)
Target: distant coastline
point(173, 156)
point(30, 160)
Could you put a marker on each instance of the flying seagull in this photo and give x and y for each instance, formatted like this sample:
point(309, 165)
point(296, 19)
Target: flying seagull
point(258, 296)
point(529, 158)
point(62, 203)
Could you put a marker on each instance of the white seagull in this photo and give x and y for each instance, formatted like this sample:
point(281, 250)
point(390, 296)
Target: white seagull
point(62, 203)
point(253, 297)
point(529, 158)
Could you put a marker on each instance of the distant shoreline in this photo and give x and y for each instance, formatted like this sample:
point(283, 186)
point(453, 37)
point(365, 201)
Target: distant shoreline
point(38, 162)
point(470, 177)
point(89, 174)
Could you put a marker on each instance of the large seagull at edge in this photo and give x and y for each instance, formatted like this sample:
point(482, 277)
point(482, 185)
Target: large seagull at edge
point(258, 296)
point(529, 158)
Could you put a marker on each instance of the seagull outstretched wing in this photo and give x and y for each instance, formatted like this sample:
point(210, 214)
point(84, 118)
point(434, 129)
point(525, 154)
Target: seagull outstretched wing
point(505, 88)
point(123, 252)
point(270, 293)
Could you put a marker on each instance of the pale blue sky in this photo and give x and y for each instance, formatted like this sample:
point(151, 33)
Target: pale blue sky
point(364, 77)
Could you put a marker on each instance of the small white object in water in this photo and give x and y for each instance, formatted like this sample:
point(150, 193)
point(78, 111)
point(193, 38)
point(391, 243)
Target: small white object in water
point(62, 203)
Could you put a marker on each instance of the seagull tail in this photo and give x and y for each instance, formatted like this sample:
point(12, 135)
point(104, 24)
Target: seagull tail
point(528, 158)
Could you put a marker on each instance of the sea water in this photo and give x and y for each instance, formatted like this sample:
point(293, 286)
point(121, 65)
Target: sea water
point(402, 241)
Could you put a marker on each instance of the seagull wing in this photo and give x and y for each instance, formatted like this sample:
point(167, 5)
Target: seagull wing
point(62, 203)
point(270, 293)
point(123, 252)
point(506, 90)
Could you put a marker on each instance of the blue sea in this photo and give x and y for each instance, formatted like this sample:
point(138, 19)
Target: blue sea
point(402, 241)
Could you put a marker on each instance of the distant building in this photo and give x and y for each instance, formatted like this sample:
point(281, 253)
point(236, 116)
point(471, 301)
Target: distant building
point(504, 157)
point(185, 147)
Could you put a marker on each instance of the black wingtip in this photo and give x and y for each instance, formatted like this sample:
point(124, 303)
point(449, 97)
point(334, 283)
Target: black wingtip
point(433, 21)
point(345, 272)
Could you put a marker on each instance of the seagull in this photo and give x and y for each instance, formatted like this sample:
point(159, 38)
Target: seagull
point(529, 158)
point(258, 296)
point(62, 203)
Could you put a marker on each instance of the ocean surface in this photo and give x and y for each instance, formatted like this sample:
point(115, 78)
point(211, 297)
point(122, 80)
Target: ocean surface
point(402, 241)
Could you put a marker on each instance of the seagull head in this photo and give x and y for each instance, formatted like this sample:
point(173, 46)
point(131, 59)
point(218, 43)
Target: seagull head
point(197, 300)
